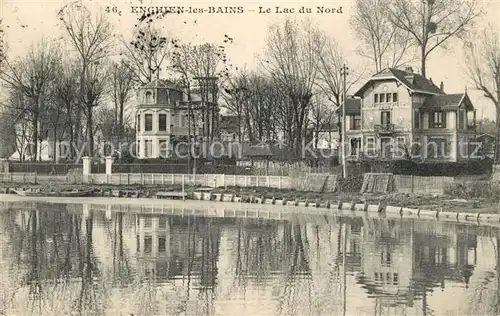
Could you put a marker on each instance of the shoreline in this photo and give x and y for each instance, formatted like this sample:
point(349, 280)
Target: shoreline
point(437, 203)
point(218, 204)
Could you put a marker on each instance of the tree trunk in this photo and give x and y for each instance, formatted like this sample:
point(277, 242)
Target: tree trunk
point(120, 123)
point(34, 150)
point(423, 61)
point(497, 136)
point(90, 134)
point(54, 149)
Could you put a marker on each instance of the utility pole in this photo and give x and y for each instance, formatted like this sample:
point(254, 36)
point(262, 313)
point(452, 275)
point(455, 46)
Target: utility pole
point(343, 73)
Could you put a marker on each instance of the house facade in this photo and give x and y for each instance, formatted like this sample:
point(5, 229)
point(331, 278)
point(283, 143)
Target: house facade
point(162, 118)
point(402, 113)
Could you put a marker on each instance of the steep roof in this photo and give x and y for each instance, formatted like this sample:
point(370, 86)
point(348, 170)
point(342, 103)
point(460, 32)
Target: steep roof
point(162, 83)
point(411, 80)
point(448, 101)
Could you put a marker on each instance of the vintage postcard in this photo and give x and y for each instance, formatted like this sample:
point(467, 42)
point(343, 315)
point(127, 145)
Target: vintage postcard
point(249, 158)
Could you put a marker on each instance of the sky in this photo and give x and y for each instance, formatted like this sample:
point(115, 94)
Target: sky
point(30, 20)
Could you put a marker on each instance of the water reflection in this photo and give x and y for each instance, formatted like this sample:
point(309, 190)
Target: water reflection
point(72, 259)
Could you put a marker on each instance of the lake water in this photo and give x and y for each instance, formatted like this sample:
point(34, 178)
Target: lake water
point(73, 259)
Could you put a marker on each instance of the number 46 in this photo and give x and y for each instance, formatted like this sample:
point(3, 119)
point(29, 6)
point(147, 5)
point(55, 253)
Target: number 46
point(111, 9)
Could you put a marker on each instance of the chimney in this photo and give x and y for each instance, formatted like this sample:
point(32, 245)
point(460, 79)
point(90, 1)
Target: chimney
point(409, 69)
point(441, 87)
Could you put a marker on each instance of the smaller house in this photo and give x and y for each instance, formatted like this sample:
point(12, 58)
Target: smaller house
point(326, 136)
point(231, 127)
point(487, 144)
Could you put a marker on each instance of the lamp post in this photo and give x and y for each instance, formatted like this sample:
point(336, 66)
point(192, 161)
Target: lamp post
point(343, 73)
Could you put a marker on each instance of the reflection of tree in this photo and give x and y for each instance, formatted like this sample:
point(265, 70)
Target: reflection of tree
point(88, 301)
point(486, 294)
point(121, 267)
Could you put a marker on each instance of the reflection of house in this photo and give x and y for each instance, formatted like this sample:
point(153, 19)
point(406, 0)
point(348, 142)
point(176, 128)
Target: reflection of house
point(402, 260)
point(169, 247)
point(401, 108)
point(153, 245)
point(387, 259)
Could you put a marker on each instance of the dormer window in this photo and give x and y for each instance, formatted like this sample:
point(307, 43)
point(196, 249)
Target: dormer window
point(438, 120)
point(149, 97)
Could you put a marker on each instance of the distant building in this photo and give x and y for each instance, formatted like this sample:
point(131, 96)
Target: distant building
point(402, 110)
point(232, 128)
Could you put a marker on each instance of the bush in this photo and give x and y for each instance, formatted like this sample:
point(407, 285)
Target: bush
point(472, 189)
point(351, 184)
point(447, 169)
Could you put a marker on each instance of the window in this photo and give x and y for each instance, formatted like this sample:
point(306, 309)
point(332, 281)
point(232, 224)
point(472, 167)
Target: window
point(401, 141)
point(385, 257)
point(162, 244)
point(356, 122)
point(385, 117)
point(162, 222)
point(149, 97)
point(437, 147)
point(370, 144)
point(139, 123)
point(148, 122)
point(375, 97)
point(394, 97)
point(438, 120)
point(388, 97)
point(183, 121)
point(355, 146)
point(395, 279)
point(149, 148)
point(148, 222)
point(162, 122)
point(148, 245)
point(163, 148)
point(416, 119)
point(461, 119)
point(382, 98)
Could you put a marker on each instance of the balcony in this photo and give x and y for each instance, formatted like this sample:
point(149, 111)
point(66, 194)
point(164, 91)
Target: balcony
point(177, 130)
point(384, 129)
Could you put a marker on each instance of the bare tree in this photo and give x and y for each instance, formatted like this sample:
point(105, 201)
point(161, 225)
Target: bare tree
point(95, 90)
point(235, 96)
point(122, 85)
point(483, 67)
point(202, 61)
point(433, 23)
point(321, 118)
point(292, 58)
point(14, 133)
point(148, 52)
point(383, 42)
point(92, 39)
point(330, 80)
point(66, 97)
point(32, 76)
